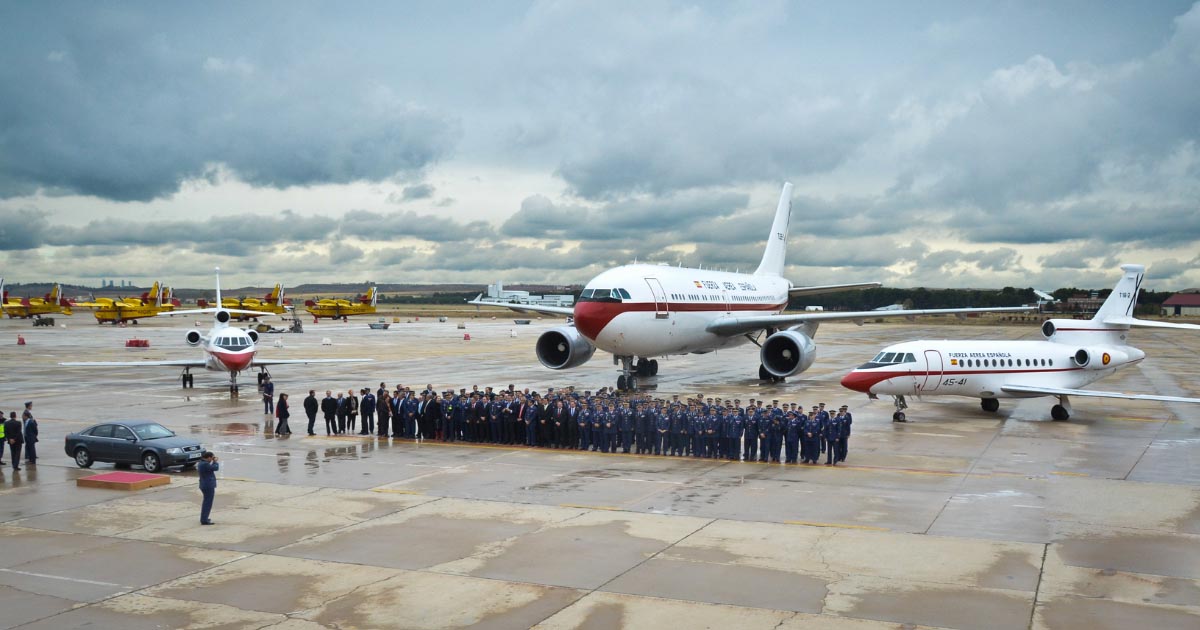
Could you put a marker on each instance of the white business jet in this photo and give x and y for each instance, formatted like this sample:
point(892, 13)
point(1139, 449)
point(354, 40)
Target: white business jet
point(226, 348)
point(1074, 354)
point(639, 312)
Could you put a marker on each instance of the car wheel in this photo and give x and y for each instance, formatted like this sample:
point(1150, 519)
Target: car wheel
point(151, 462)
point(83, 458)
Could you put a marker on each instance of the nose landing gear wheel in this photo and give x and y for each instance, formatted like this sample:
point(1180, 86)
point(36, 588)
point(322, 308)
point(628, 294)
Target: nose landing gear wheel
point(899, 417)
point(1058, 412)
point(989, 404)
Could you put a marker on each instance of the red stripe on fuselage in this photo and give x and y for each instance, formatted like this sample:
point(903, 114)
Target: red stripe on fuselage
point(864, 380)
point(234, 361)
point(592, 317)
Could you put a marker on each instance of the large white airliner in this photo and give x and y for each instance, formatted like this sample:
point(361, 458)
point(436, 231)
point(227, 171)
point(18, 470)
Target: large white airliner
point(226, 348)
point(1074, 354)
point(639, 312)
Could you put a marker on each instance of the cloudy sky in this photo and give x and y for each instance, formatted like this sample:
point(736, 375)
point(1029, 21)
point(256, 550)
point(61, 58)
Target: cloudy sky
point(934, 143)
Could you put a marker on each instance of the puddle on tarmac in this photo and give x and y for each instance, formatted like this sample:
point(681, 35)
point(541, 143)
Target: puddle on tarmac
point(263, 592)
point(737, 585)
point(967, 609)
point(443, 539)
point(1089, 614)
point(583, 556)
point(1012, 570)
point(603, 617)
point(1173, 556)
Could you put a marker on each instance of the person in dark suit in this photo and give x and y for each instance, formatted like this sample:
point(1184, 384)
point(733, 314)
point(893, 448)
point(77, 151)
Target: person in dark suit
point(208, 468)
point(310, 409)
point(282, 413)
point(329, 407)
point(343, 412)
point(12, 435)
point(30, 430)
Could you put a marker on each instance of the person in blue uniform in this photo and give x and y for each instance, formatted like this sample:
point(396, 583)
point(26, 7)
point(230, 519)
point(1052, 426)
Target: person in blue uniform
point(712, 427)
point(791, 437)
point(662, 427)
point(533, 412)
point(677, 422)
point(777, 434)
point(734, 431)
point(848, 421)
point(750, 445)
point(208, 467)
point(823, 418)
point(611, 429)
point(810, 439)
point(834, 430)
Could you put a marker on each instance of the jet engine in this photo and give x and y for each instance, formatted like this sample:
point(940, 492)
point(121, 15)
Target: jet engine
point(788, 352)
point(563, 347)
point(223, 316)
point(1098, 358)
point(193, 338)
point(253, 334)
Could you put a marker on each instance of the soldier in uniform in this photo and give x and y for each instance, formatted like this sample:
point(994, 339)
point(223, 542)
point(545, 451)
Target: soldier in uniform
point(792, 439)
point(750, 447)
point(834, 431)
point(848, 421)
point(810, 439)
point(610, 431)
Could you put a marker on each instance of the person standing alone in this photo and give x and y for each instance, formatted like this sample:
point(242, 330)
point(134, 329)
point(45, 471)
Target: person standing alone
point(30, 430)
point(282, 413)
point(12, 435)
point(208, 468)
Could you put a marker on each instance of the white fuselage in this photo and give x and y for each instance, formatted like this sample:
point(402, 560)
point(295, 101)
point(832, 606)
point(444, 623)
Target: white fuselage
point(228, 349)
point(980, 369)
point(657, 310)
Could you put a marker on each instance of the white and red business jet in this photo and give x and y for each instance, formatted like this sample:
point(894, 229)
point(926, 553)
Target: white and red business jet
point(646, 311)
point(1074, 354)
point(226, 348)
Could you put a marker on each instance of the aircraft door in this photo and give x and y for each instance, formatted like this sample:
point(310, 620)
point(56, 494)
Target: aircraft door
point(660, 298)
point(933, 371)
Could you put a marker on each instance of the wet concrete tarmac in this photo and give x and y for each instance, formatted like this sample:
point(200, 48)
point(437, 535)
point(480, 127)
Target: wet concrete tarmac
point(958, 519)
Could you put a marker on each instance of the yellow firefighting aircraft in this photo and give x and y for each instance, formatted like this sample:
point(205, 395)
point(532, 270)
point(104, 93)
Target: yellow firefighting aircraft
point(24, 308)
point(116, 311)
point(270, 304)
point(341, 309)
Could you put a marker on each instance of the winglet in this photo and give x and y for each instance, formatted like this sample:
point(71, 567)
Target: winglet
point(776, 250)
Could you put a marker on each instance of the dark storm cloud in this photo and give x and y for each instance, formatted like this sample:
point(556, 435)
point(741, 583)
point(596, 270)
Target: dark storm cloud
point(636, 217)
point(22, 229)
point(125, 102)
point(246, 230)
point(379, 226)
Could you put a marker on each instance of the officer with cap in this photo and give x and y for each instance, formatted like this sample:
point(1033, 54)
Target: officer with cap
point(792, 437)
point(823, 418)
point(844, 445)
point(834, 431)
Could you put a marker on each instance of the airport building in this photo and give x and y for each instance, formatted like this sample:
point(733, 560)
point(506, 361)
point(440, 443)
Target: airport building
point(497, 293)
point(1186, 303)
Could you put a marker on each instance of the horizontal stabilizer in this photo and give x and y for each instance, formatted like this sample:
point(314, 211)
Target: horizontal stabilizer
point(1148, 323)
point(1058, 391)
point(832, 288)
point(549, 310)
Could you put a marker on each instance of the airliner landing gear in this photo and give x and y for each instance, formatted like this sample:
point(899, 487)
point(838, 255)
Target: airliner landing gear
point(989, 404)
point(263, 375)
point(188, 379)
point(628, 379)
point(1061, 411)
point(233, 385)
point(647, 367)
point(764, 375)
point(901, 405)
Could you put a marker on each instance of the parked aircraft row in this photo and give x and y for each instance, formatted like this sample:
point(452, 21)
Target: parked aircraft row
point(226, 348)
point(641, 312)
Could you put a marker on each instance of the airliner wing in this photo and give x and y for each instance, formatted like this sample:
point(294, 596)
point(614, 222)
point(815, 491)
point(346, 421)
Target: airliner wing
point(258, 363)
point(730, 326)
point(189, 363)
point(522, 308)
point(1057, 391)
point(832, 288)
point(1148, 323)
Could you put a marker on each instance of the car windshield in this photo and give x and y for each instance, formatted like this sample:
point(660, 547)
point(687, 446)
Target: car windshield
point(152, 431)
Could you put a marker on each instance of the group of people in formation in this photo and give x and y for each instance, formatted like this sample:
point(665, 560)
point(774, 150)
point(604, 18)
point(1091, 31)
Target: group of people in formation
point(606, 421)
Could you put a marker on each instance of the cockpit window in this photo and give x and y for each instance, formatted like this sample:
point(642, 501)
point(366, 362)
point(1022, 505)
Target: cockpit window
point(602, 295)
point(233, 343)
point(889, 358)
point(625, 294)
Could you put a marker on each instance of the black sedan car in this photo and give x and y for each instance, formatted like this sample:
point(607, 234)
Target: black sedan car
point(150, 444)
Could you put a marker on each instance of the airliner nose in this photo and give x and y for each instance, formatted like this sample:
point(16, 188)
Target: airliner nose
point(591, 318)
point(859, 381)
